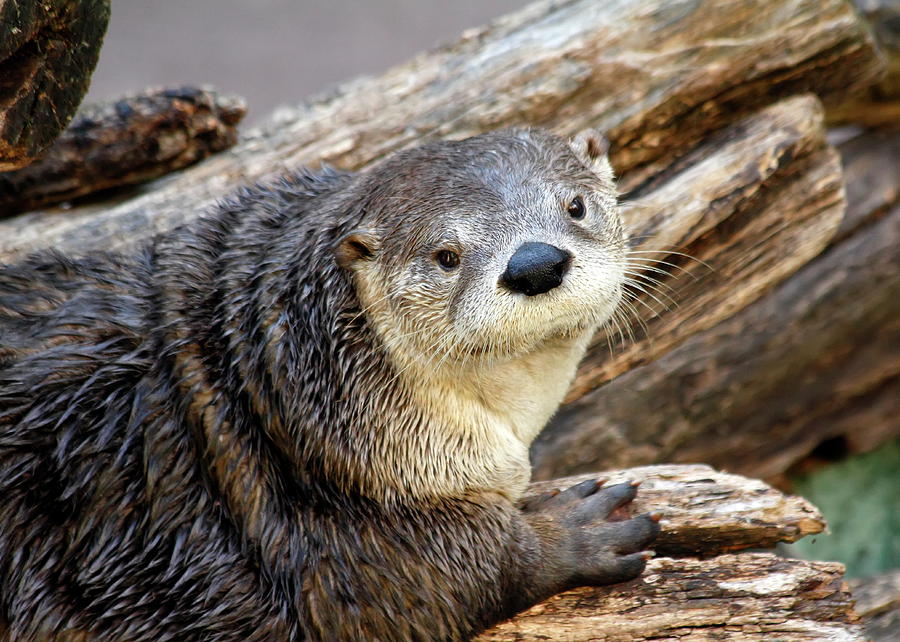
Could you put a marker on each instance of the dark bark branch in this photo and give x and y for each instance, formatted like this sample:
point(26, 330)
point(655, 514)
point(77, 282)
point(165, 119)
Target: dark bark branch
point(124, 142)
point(48, 51)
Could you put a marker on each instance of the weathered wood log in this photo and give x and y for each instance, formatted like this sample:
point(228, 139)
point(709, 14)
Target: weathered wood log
point(741, 597)
point(751, 596)
point(48, 51)
point(878, 604)
point(878, 105)
point(123, 142)
point(657, 78)
point(706, 512)
point(766, 196)
point(814, 359)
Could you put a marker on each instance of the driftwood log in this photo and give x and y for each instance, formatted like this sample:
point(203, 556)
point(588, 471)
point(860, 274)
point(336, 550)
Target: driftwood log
point(656, 77)
point(714, 168)
point(878, 105)
point(751, 596)
point(781, 333)
point(709, 595)
point(48, 51)
point(123, 142)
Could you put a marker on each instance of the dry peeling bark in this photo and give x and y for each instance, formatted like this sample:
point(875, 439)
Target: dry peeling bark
point(751, 596)
point(706, 512)
point(48, 50)
point(700, 591)
point(125, 141)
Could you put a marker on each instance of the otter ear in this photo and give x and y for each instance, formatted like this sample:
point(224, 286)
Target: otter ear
point(358, 245)
point(591, 148)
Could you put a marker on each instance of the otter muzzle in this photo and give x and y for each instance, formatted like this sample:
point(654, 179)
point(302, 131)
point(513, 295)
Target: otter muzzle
point(536, 268)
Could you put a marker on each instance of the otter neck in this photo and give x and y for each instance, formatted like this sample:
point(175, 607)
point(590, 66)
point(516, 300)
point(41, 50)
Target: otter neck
point(494, 408)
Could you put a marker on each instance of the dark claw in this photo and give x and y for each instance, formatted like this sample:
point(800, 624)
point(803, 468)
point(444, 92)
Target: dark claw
point(622, 569)
point(602, 503)
point(582, 490)
point(536, 502)
point(630, 566)
point(632, 535)
point(555, 499)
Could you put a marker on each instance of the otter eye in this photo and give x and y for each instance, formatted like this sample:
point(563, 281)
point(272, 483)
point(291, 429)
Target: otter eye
point(576, 208)
point(447, 259)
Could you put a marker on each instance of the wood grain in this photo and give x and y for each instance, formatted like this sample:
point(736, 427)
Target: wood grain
point(752, 596)
point(656, 77)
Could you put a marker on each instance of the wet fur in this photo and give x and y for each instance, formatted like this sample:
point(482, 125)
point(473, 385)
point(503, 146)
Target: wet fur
point(226, 436)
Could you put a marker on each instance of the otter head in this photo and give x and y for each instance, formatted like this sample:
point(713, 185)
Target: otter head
point(488, 248)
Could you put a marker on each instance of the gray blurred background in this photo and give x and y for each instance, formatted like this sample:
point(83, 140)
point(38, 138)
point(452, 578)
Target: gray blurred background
point(272, 52)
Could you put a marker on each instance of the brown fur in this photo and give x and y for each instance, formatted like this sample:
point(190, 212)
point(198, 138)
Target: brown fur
point(286, 422)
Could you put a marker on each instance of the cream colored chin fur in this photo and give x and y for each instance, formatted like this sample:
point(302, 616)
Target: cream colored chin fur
point(503, 405)
point(482, 415)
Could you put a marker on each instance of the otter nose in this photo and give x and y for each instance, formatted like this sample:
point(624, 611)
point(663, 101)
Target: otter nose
point(535, 268)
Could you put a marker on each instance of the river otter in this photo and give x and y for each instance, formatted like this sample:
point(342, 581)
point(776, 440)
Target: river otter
point(307, 415)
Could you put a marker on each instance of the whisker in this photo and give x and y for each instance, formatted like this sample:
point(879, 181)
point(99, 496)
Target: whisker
point(637, 299)
point(618, 329)
point(652, 268)
point(649, 281)
point(637, 286)
point(674, 253)
point(637, 318)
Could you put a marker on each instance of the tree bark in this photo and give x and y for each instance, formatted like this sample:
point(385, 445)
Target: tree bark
point(879, 105)
point(123, 142)
point(712, 594)
point(751, 596)
point(48, 51)
point(656, 77)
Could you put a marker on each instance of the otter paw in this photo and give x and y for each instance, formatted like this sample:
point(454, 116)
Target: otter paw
point(603, 545)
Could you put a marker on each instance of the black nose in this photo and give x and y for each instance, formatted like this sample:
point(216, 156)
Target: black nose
point(536, 268)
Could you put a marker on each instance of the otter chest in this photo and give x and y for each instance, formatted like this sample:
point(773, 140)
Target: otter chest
point(497, 413)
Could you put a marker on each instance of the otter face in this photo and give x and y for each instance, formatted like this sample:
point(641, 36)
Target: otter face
point(489, 247)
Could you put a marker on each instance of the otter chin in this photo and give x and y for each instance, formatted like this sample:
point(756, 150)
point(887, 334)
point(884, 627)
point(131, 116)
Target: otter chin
point(306, 415)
